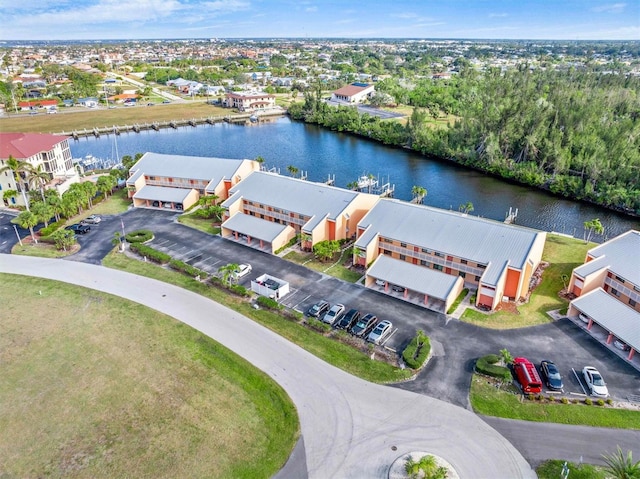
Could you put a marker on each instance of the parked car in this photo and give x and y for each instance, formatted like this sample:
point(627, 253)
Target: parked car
point(594, 381)
point(551, 375)
point(399, 289)
point(319, 309)
point(334, 314)
point(364, 326)
point(242, 270)
point(380, 282)
point(92, 220)
point(349, 319)
point(621, 345)
point(380, 332)
point(79, 228)
point(166, 101)
point(156, 204)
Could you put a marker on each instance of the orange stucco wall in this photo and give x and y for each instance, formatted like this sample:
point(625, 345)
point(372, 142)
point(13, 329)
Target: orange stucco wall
point(511, 285)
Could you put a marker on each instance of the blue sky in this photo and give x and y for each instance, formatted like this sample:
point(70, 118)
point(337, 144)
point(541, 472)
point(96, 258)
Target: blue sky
point(130, 19)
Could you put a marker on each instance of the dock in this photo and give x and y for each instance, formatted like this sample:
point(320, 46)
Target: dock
point(511, 216)
point(240, 118)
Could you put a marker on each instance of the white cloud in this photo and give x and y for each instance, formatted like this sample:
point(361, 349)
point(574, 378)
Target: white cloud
point(498, 15)
point(405, 15)
point(610, 8)
point(311, 9)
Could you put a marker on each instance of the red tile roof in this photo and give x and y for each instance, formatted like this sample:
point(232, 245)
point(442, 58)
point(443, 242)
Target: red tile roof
point(38, 103)
point(24, 145)
point(350, 90)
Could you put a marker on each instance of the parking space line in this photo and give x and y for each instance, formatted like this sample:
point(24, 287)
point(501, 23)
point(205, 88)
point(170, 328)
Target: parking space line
point(579, 382)
point(389, 337)
point(301, 301)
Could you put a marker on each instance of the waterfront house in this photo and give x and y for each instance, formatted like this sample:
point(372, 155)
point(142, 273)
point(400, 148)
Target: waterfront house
point(177, 182)
point(427, 255)
point(267, 210)
point(607, 290)
point(35, 104)
point(354, 93)
point(50, 152)
point(249, 101)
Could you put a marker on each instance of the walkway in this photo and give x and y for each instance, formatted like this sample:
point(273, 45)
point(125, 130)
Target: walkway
point(351, 428)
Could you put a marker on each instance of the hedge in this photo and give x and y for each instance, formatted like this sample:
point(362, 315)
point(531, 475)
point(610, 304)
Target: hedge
point(318, 325)
point(187, 269)
point(268, 303)
point(51, 228)
point(417, 351)
point(150, 253)
point(487, 365)
point(139, 236)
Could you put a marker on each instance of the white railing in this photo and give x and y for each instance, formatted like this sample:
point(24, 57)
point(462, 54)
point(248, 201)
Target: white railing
point(432, 259)
point(272, 214)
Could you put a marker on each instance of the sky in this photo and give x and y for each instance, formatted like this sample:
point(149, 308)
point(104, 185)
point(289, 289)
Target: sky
point(164, 19)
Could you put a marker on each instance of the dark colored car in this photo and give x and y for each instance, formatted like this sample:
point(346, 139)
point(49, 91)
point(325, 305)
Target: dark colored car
point(319, 309)
point(551, 375)
point(364, 326)
point(399, 289)
point(349, 319)
point(78, 228)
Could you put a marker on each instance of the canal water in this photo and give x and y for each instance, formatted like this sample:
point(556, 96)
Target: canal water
point(321, 153)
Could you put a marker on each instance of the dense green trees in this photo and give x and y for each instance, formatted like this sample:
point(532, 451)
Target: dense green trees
point(574, 133)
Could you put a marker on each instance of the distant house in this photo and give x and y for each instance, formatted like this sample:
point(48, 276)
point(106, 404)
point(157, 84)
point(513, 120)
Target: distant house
point(88, 102)
point(354, 93)
point(35, 104)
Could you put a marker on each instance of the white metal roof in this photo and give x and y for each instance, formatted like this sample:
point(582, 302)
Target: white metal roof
point(188, 167)
point(292, 195)
point(255, 227)
point(622, 254)
point(592, 266)
point(162, 193)
point(415, 278)
point(611, 314)
point(468, 237)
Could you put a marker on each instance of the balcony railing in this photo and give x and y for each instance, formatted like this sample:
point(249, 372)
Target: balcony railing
point(272, 214)
point(622, 289)
point(410, 253)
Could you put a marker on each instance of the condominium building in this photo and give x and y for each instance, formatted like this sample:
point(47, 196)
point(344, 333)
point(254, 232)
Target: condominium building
point(50, 152)
point(607, 287)
point(249, 101)
point(427, 255)
point(267, 210)
point(177, 182)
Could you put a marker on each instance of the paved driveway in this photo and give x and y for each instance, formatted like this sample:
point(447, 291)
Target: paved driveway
point(351, 428)
point(8, 236)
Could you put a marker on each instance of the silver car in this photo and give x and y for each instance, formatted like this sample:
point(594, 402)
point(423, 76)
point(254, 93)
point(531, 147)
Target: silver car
point(380, 332)
point(334, 314)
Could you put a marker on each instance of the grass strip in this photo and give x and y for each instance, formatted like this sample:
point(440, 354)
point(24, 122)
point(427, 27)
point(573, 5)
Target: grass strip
point(333, 352)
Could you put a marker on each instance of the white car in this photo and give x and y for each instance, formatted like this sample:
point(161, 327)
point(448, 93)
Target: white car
point(595, 383)
point(92, 220)
point(334, 314)
point(380, 332)
point(242, 271)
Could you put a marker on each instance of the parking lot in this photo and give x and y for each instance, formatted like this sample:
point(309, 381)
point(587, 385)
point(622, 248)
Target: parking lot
point(455, 345)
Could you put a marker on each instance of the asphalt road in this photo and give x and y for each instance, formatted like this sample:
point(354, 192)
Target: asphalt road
point(8, 236)
point(351, 428)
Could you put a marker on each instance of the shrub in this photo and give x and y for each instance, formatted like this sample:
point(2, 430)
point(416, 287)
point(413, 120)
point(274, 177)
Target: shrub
point(564, 401)
point(539, 397)
point(609, 401)
point(551, 398)
point(51, 228)
point(531, 397)
point(574, 401)
point(291, 242)
point(600, 402)
point(318, 325)
point(487, 365)
point(187, 269)
point(269, 303)
point(150, 253)
point(417, 351)
point(139, 236)
point(588, 401)
point(239, 290)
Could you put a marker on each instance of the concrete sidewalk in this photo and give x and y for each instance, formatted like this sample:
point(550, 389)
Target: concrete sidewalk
point(351, 428)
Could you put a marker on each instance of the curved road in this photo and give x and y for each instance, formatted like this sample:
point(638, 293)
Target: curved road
point(350, 428)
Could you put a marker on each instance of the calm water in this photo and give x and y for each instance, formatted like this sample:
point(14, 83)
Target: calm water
point(321, 153)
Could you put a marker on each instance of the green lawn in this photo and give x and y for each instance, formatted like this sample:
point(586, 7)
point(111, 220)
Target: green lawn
point(553, 469)
point(97, 386)
point(205, 225)
point(43, 250)
point(337, 270)
point(334, 352)
point(117, 203)
point(563, 255)
point(488, 400)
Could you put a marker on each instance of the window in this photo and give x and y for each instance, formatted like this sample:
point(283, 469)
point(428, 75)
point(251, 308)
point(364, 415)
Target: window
point(387, 252)
point(620, 279)
point(438, 254)
point(403, 245)
point(403, 257)
point(632, 303)
point(423, 262)
point(438, 267)
point(462, 274)
point(425, 250)
point(463, 261)
point(477, 278)
point(615, 292)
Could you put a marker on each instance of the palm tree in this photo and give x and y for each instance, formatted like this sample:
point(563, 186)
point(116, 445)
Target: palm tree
point(466, 208)
point(90, 190)
point(228, 272)
point(20, 170)
point(621, 466)
point(8, 194)
point(593, 226)
point(55, 201)
point(418, 193)
point(260, 161)
point(38, 178)
point(293, 170)
point(106, 184)
point(353, 185)
point(43, 212)
point(27, 219)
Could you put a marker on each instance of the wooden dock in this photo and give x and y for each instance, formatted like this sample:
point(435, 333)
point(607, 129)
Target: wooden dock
point(242, 118)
